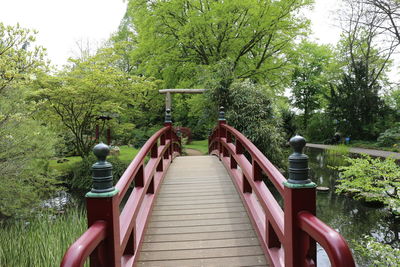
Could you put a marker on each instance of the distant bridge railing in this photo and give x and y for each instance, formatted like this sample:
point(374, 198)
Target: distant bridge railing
point(114, 237)
point(289, 235)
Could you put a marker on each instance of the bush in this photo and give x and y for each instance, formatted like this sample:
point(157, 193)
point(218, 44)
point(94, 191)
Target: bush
point(253, 114)
point(80, 174)
point(320, 127)
point(376, 253)
point(372, 179)
point(390, 137)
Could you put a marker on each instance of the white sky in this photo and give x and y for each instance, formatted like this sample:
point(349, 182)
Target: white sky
point(62, 23)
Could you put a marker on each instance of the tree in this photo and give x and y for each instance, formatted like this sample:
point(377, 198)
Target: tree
point(354, 101)
point(388, 12)
point(25, 143)
point(177, 39)
point(309, 77)
point(77, 96)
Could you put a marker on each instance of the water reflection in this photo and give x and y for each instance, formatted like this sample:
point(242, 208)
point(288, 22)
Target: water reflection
point(352, 218)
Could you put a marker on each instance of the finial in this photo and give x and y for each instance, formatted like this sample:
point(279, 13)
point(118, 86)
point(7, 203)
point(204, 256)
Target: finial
point(102, 185)
point(168, 116)
point(101, 151)
point(297, 143)
point(221, 116)
point(298, 165)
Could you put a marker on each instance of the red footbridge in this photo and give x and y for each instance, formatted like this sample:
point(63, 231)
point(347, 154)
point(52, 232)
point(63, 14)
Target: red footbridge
point(211, 210)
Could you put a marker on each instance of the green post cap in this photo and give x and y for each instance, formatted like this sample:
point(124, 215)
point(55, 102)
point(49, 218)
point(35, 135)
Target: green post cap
point(102, 174)
point(221, 116)
point(298, 165)
point(168, 116)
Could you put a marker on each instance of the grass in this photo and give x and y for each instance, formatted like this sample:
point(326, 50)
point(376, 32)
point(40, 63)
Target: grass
point(42, 241)
point(127, 154)
point(200, 145)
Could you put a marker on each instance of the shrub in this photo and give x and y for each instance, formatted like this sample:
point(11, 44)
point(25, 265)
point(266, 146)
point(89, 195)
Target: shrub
point(390, 137)
point(376, 253)
point(371, 179)
point(252, 113)
point(320, 127)
point(80, 174)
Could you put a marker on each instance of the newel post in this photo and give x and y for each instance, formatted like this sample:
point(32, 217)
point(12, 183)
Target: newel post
point(168, 123)
point(102, 205)
point(299, 195)
point(221, 131)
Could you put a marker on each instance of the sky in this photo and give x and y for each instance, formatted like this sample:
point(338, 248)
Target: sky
point(64, 23)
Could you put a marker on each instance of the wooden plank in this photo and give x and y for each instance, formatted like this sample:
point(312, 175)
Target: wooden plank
point(199, 229)
point(197, 211)
point(199, 236)
point(181, 194)
point(169, 202)
point(199, 206)
point(200, 222)
point(197, 196)
point(213, 262)
point(199, 244)
point(201, 253)
point(190, 217)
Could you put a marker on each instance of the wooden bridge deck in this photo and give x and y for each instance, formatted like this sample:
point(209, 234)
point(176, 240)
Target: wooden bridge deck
point(199, 220)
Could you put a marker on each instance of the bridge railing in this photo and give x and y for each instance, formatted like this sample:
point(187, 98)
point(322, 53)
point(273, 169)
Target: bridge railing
point(115, 234)
point(289, 235)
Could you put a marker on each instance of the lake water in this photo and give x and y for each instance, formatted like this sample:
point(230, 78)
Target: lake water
point(351, 218)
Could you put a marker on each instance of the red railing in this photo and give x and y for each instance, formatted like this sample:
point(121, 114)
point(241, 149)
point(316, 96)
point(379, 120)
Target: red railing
point(114, 237)
point(289, 235)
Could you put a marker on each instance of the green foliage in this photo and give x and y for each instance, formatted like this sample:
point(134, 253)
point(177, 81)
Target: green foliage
point(91, 88)
point(253, 114)
point(200, 145)
point(320, 127)
point(371, 179)
point(41, 241)
point(390, 137)
point(80, 176)
point(339, 150)
point(25, 143)
point(373, 253)
point(310, 77)
point(176, 39)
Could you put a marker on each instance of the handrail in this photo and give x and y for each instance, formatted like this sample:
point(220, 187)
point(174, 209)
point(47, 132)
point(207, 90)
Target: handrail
point(127, 177)
point(283, 233)
point(273, 173)
point(334, 244)
point(80, 250)
point(123, 231)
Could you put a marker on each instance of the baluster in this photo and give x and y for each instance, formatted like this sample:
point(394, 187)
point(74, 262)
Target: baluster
point(257, 171)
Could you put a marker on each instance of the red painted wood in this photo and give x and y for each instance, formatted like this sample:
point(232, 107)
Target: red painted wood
point(334, 244)
point(120, 241)
point(80, 250)
point(296, 200)
point(287, 238)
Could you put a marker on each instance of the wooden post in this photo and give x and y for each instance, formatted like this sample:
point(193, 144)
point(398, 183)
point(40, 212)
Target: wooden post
point(299, 195)
point(221, 132)
point(102, 205)
point(168, 134)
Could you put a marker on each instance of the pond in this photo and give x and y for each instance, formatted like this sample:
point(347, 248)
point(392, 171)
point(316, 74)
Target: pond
point(351, 218)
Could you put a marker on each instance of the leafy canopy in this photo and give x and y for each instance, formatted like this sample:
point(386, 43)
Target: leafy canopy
point(176, 38)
